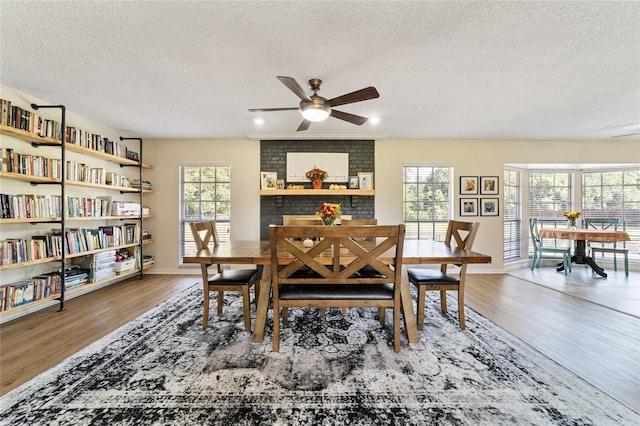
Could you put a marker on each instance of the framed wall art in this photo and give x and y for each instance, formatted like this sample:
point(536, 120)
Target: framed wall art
point(468, 185)
point(489, 185)
point(353, 182)
point(468, 207)
point(268, 180)
point(489, 207)
point(365, 180)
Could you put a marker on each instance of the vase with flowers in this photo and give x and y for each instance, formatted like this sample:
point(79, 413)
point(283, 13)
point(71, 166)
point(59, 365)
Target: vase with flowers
point(328, 212)
point(571, 219)
point(316, 176)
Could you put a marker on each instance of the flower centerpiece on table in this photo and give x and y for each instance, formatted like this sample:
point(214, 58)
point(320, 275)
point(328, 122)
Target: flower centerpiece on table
point(571, 218)
point(317, 176)
point(328, 212)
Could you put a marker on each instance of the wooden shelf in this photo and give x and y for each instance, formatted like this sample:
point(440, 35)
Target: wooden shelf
point(27, 136)
point(104, 186)
point(87, 218)
point(8, 221)
point(78, 151)
point(315, 192)
point(85, 253)
point(29, 263)
point(103, 155)
point(28, 178)
point(33, 138)
point(44, 301)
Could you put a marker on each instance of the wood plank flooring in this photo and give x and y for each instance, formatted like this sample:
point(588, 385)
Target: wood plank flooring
point(599, 344)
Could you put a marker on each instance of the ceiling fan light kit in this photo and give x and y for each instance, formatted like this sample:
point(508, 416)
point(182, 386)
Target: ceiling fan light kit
point(314, 112)
point(315, 108)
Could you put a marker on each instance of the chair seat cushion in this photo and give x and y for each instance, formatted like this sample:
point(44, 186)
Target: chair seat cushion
point(369, 272)
point(427, 276)
point(336, 291)
point(235, 277)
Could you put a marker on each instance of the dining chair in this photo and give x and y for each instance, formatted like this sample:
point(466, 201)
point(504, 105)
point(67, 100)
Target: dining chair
point(336, 257)
point(306, 271)
point(366, 270)
point(604, 224)
point(204, 234)
point(462, 234)
point(539, 248)
point(305, 222)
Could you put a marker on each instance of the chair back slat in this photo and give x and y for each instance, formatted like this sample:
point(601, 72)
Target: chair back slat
point(464, 233)
point(204, 233)
point(337, 254)
point(600, 223)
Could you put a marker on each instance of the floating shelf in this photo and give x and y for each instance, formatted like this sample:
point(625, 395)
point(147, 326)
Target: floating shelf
point(314, 192)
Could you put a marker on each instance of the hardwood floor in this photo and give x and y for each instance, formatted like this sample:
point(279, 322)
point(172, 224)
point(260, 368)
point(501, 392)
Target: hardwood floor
point(31, 344)
point(599, 344)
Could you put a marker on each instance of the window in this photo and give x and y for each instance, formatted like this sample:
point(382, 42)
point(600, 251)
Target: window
point(512, 214)
point(614, 194)
point(205, 194)
point(549, 197)
point(427, 201)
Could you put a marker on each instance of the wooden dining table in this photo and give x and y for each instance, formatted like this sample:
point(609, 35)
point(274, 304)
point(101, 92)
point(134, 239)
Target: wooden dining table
point(581, 236)
point(256, 252)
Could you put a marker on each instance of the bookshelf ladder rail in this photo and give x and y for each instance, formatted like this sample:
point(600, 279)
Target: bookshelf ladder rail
point(63, 178)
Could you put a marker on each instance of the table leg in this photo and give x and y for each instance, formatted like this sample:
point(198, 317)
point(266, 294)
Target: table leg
point(407, 310)
point(580, 257)
point(263, 305)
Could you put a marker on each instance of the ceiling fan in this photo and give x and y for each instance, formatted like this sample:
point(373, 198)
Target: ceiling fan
point(317, 108)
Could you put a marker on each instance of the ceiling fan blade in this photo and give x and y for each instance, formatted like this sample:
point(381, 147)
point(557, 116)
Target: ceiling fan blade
point(351, 118)
point(272, 109)
point(293, 85)
point(357, 96)
point(303, 126)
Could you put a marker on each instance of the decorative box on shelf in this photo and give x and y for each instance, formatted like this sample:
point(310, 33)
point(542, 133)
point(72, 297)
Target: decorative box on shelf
point(124, 208)
point(125, 265)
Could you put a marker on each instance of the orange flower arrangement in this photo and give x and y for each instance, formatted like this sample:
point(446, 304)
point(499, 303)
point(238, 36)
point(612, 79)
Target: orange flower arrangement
point(316, 173)
point(328, 212)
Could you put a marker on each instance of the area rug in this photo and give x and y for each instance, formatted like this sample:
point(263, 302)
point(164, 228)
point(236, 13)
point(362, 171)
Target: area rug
point(162, 370)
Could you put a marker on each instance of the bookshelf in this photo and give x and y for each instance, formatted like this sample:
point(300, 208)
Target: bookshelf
point(39, 226)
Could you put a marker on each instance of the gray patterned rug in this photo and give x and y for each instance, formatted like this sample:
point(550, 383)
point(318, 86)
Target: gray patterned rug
point(162, 370)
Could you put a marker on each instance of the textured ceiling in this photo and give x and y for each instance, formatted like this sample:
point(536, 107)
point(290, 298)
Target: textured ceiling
point(463, 70)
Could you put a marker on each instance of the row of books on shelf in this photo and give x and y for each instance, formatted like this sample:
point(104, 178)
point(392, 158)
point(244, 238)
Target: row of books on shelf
point(30, 206)
point(88, 207)
point(40, 166)
point(92, 268)
point(30, 290)
point(82, 239)
point(30, 121)
point(74, 277)
point(78, 240)
point(29, 164)
point(100, 266)
point(144, 184)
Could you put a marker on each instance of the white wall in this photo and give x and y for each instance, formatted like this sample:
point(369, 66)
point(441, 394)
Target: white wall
point(473, 158)
point(482, 158)
point(167, 155)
